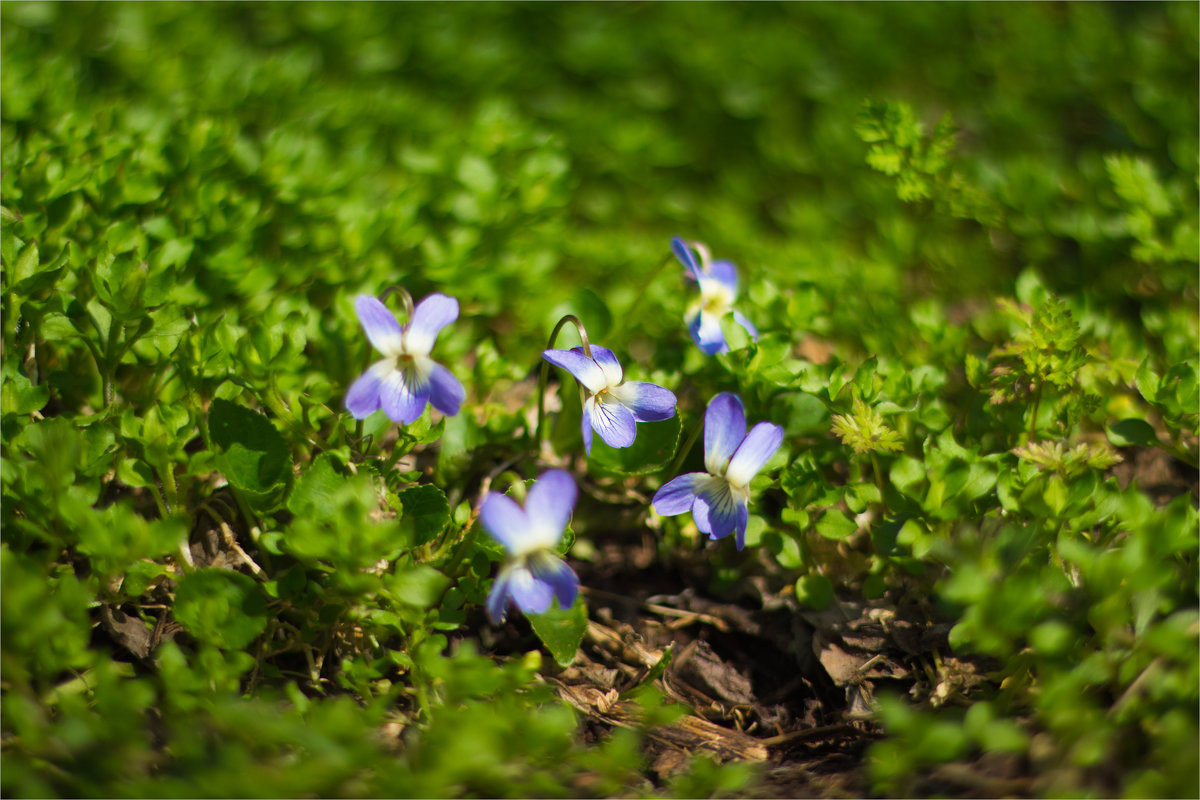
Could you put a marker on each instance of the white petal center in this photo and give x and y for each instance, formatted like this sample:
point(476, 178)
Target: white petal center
point(715, 297)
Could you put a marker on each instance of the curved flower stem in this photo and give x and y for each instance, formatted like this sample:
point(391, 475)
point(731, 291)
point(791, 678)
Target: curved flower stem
point(405, 297)
point(544, 377)
point(687, 447)
point(583, 337)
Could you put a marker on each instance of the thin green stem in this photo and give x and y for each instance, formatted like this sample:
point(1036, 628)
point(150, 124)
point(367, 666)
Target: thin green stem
point(422, 697)
point(398, 452)
point(687, 448)
point(252, 522)
point(163, 512)
point(98, 357)
point(202, 424)
point(109, 372)
point(644, 289)
point(878, 472)
point(471, 533)
point(544, 376)
point(170, 488)
point(274, 401)
point(129, 340)
point(184, 558)
point(357, 452)
point(1037, 400)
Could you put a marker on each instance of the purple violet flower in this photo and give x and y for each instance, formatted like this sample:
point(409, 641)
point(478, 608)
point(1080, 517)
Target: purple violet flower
point(406, 378)
point(613, 405)
point(718, 285)
point(533, 573)
point(717, 498)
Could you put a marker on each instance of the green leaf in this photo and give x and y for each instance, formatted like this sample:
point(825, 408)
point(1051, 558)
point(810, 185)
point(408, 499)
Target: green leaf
point(122, 285)
point(1136, 183)
point(221, 607)
point(140, 575)
point(8, 245)
point(137, 473)
point(124, 235)
point(252, 455)
point(770, 359)
point(314, 491)
point(977, 371)
point(46, 274)
point(117, 537)
point(884, 534)
point(561, 630)
point(814, 590)
point(418, 586)
point(20, 395)
point(836, 524)
point(425, 512)
point(786, 550)
point(173, 253)
point(756, 526)
point(907, 474)
point(1029, 288)
point(27, 263)
point(980, 480)
point(1002, 735)
point(1132, 431)
point(861, 495)
point(140, 188)
point(804, 414)
point(866, 379)
point(802, 480)
point(650, 452)
point(1147, 381)
point(477, 174)
point(1055, 494)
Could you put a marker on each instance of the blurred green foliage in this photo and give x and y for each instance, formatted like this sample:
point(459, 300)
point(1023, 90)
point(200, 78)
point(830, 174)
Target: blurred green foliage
point(967, 232)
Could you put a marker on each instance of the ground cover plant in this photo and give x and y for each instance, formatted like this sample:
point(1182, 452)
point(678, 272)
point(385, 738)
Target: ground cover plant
point(599, 400)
